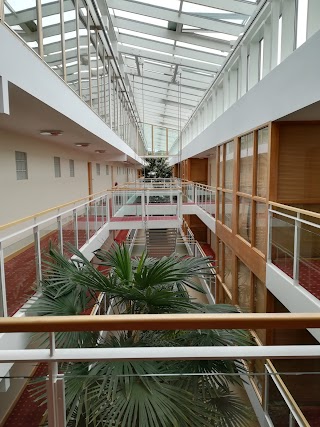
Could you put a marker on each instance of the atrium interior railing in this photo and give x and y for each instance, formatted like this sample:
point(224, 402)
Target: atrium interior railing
point(293, 241)
point(294, 244)
point(277, 400)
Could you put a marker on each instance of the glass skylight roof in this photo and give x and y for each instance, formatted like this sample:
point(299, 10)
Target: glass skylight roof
point(173, 49)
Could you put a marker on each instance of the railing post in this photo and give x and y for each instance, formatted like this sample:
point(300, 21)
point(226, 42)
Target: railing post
point(296, 251)
point(269, 248)
point(143, 205)
point(37, 248)
point(75, 228)
point(87, 222)
point(179, 203)
point(195, 194)
point(60, 233)
point(95, 216)
point(56, 406)
point(3, 290)
point(107, 209)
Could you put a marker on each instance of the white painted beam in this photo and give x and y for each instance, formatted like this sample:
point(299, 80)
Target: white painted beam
point(4, 96)
point(174, 16)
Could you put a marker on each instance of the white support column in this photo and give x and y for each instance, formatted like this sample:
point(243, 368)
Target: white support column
point(288, 28)
point(275, 14)
point(267, 36)
point(109, 94)
point(226, 91)
point(233, 86)
point(4, 96)
point(313, 24)
point(253, 65)
point(214, 105)
point(243, 67)
point(220, 100)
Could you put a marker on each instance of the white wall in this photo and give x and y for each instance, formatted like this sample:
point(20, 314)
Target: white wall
point(20, 198)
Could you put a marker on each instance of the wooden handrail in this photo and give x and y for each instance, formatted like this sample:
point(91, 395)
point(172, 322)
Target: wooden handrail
point(161, 322)
point(297, 210)
point(36, 215)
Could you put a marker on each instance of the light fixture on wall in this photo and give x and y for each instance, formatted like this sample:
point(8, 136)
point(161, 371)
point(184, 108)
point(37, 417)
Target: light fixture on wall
point(52, 132)
point(100, 151)
point(82, 144)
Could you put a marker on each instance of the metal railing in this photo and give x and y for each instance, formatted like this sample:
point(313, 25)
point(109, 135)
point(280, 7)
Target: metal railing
point(294, 244)
point(53, 355)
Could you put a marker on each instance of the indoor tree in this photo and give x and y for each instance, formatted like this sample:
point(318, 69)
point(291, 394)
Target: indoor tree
point(157, 167)
point(142, 393)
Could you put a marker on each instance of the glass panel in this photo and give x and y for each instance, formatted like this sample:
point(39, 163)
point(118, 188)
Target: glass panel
point(82, 226)
point(261, 227)
point(219, 213)
point(244, 286)
point(52, 47)
point(228, 267)
point(228, 180)
point(68, 232)
point(20, 270)
point(246, 160)
point(25, 24)
point(262, 162)
point(70, 36)
point(26, 383)
point(277, 407)
point(220, 248)
point(83, 45)
point(220, 183)
point(282, 245)
point(244, 220)
point(228, 210)
point(259, 303)
point(309, 260)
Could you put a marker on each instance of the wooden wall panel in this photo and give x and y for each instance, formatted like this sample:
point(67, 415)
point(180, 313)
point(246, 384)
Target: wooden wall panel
point(299, 162)
point(249, 256)
point(198, 170)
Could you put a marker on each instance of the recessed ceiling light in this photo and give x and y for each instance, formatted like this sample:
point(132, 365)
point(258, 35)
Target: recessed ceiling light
point(100, 151)
point(52, 132)
point(82, 144)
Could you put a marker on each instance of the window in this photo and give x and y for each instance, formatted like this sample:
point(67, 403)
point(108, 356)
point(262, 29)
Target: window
point(246, 163)
point(261, 52)
point(279, 39)
point(302, 18)
point(71, 167)
point(21, 165)
point(107, 169)
point(98, 168)
point(57, 167)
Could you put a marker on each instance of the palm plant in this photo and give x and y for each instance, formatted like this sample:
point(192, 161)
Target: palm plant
point(142, 393)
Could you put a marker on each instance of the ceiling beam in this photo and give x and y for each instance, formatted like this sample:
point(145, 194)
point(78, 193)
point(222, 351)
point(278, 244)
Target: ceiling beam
point(153, 30)
point(168, 48)
point(243, 7)
point(169, 59)
point(174, 16)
